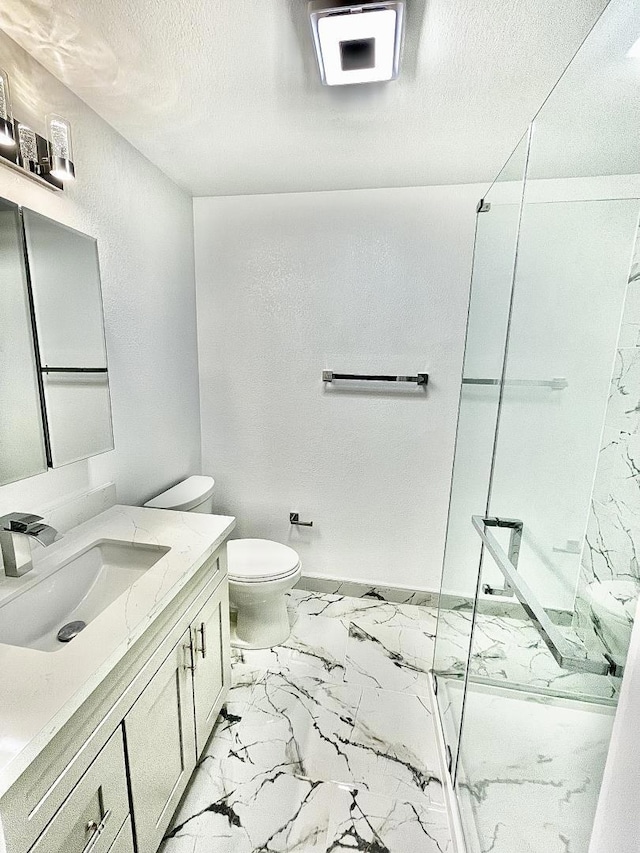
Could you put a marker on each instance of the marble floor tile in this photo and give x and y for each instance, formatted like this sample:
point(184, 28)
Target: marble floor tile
point(274, 811)
point(362, 821)
point(310, 754)
point(339, 733)
point(530, 771)
point(319, 643)
point(510, 650)
point(365, 611)
point(307, 722)
point(399, 760)
point(397, 659)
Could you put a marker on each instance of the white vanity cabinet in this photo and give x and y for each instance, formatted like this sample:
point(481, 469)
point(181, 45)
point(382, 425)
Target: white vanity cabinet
point(171, 721)
point(111, 779)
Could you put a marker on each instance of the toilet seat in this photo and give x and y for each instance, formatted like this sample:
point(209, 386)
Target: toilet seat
point(260, 560)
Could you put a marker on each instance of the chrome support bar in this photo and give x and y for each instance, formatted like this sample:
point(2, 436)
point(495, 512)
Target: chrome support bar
point(47, 369)
point(558, 645)
point(419, 378)
point(515, 526)
point(557, 384)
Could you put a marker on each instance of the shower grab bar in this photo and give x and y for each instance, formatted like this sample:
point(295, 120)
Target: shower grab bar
point(418, 379)
point(558, 645)
point(557, 384)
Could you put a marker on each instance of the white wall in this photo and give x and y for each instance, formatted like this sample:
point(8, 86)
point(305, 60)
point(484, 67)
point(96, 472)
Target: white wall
point(143, 224)
point(367, 281)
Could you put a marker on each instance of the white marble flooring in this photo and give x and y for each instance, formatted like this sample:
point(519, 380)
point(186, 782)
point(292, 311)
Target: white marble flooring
point(327, 742)
point(530, 771)
point(510, 651)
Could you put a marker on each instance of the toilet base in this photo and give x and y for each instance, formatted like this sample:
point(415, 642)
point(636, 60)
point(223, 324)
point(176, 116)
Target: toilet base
point(262, 620)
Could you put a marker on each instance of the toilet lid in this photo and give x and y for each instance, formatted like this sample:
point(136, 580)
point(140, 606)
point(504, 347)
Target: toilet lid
point(260, 560)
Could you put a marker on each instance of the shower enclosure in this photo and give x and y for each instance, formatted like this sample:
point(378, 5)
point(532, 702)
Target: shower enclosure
point(541, 572)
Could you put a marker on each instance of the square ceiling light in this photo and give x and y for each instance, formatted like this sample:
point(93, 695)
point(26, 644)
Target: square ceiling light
point(357, 43)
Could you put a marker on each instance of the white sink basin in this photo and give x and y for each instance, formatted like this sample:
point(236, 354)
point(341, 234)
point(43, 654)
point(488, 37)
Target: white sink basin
point(79, 589)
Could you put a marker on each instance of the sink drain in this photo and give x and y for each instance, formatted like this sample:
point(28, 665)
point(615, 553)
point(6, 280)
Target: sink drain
point(70, 630)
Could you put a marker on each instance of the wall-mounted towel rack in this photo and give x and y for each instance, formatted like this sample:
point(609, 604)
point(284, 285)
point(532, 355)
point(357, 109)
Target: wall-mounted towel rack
point(47, 369)
point(418, 379)
point(557, 384)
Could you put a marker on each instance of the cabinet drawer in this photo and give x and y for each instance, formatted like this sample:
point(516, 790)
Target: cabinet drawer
point(124, 841)
point(90, 818)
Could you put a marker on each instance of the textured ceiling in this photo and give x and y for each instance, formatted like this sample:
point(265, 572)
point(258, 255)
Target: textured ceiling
point(223, 95)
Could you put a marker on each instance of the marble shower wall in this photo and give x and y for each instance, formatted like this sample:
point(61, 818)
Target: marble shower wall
point(610, 563)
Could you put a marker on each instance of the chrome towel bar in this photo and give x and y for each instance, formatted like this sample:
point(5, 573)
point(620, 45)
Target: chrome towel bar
point(47, 369)
point(418, 379)
point(557, 384)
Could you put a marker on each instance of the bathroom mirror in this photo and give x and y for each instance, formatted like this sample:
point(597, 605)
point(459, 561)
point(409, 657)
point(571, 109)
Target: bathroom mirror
point(69, 327)
point(22, 444)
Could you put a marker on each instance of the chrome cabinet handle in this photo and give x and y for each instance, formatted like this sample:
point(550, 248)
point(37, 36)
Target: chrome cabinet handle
point(191, 662)
point(96, 830)
point(203, 636)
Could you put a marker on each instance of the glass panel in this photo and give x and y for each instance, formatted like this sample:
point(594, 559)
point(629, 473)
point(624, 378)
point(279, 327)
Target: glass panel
point(22, 451)
point(536, 734)
point(494, 259)
point(65, 278)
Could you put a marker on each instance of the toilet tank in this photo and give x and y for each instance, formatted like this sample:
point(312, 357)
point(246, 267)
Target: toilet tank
point(195, 494)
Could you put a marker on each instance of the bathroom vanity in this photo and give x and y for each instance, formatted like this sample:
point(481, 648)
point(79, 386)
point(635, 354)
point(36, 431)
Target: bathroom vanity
point(99, 736)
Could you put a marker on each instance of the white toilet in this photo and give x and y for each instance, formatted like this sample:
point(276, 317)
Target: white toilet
point(260, 571)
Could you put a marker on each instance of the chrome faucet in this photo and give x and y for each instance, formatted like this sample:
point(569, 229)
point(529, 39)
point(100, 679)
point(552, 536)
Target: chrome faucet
point(16, 531)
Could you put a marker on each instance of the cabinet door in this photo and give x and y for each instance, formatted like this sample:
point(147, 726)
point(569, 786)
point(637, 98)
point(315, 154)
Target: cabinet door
point(212, 670)
point(124, 840)
point(161, 746)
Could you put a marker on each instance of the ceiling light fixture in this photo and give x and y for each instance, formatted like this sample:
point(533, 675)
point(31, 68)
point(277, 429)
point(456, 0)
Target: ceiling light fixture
point(357, 43)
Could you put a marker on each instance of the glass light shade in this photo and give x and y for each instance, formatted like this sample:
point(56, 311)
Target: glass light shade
point(6, 113)
point(28, 144)
point(60, 148)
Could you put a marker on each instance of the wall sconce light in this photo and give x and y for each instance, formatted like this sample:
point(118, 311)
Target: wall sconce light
point(48, 161)
point(28, 145)
point(60, 148)
point(6, 114)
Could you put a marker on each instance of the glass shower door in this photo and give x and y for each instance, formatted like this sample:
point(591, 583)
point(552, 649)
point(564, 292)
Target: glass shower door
point(493, 265)
point(543, 678)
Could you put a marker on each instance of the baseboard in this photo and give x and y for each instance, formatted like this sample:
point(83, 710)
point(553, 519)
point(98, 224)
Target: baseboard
point(362, 589)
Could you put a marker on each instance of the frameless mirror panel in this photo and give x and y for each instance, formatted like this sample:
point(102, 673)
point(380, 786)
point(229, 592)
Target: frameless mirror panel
point(492, 277)
point(22, 450)
point(536, 730)
point(65, 279)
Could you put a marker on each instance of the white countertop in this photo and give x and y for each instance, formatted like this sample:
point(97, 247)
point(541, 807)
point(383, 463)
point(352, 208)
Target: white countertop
point(39, 690)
